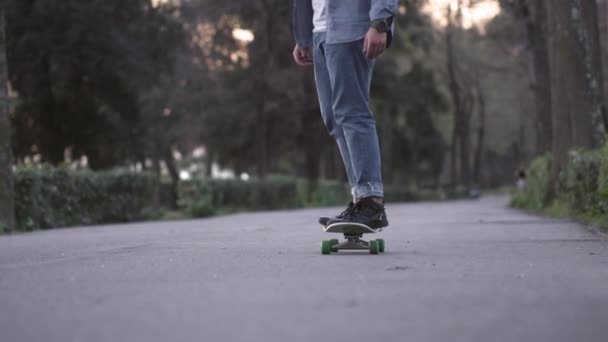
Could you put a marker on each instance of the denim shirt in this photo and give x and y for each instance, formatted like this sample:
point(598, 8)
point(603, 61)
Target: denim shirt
point(347, 20)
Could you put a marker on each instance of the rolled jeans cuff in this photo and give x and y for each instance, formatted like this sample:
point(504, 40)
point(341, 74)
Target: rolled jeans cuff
point(367, 190)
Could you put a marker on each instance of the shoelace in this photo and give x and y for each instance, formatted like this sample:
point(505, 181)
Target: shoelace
point(358, 205)
point(348, 210)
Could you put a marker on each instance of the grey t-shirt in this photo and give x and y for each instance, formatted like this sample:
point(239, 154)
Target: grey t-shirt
point(320, 15)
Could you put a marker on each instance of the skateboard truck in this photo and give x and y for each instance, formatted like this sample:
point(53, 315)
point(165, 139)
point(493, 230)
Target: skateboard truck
point(353, 233)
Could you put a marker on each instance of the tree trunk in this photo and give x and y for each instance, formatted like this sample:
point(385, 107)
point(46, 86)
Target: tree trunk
point(532, 14)
point(209, 163)
point(464, 133)
point(174, 174)
point(7, 193)
point(462, 109)
point(603, 28)
point(262, 134)
point(481, 133)
point(575, 78)
point(453, 155)
point(535, 17)
point(455, 94)
point(594, 67)
point(156, 168)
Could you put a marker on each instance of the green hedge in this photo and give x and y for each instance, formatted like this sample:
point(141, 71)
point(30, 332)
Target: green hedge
point(324, 193)
point(203, 197)
point(578, 188)
point(581, 189)
point(47, 197)
point(536, 193)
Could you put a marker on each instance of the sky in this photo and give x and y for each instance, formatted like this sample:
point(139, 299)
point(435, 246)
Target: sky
point(476, 15)
point(156, 2)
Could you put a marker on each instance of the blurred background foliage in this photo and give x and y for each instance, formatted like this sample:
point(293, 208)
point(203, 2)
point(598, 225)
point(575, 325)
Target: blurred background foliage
point(123, 83)
point(190, 92)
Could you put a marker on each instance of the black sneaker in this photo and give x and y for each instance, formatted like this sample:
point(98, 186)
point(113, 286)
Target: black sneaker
point(367, 212)
point(324, 220)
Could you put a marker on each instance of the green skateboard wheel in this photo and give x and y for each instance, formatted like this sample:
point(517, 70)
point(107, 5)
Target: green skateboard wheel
point(326, 247)
point(374, 247)
point(381, 245)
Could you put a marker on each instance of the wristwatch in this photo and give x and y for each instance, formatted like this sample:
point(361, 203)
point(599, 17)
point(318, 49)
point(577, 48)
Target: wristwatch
point(382, 25)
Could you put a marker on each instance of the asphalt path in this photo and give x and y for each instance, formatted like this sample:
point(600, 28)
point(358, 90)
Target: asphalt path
point(453, 271)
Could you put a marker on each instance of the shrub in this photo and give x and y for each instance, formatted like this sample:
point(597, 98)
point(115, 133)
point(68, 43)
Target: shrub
point(582, 189)
point(602, 186)
point(200, 207)
point(580, 184)
point(535, 196)
point(237, 195)
point(204, 197)
point(324, 193)
point(399, 194)
point(47, 197)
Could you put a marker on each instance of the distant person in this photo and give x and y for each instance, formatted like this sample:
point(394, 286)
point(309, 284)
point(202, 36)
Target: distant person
point(342, 39)
point(521, 180)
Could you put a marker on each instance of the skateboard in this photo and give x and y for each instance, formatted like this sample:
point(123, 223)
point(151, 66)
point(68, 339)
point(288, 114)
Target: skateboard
point(353, 233)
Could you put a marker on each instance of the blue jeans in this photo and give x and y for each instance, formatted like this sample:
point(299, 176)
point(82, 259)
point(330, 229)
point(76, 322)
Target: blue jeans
point(343, 75)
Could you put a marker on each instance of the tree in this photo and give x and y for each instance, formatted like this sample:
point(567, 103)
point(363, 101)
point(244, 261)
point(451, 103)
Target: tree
point(272, 122)
point(532, 15)
point(462, 101)
point(603, 27)
point(576, 78)
point(273, 116)
point(481, 131)
point(7, 208)
point(80, 69)
point(407, 101)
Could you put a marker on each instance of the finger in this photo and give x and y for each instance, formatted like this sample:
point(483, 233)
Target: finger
point(301, 57)
point(296, 57)
point(299, 60)
point(370, 51)
point(380, 50)
point(382, 47)
point(308, 54)
point(373, 51)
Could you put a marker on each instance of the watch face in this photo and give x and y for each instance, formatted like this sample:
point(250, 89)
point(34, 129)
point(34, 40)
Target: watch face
point(381, 26)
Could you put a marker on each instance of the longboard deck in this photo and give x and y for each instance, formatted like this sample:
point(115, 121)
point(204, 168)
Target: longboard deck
point(353, 232)
point(350, 229)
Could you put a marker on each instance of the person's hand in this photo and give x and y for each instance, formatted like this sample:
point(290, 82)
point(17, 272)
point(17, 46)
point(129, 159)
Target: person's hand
point(302, 56)
point(375, 43)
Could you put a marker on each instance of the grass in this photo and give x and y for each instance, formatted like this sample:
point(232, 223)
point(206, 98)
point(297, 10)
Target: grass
point(561, 210)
